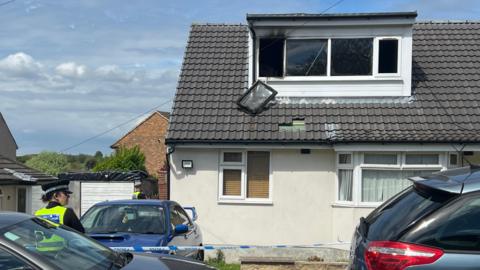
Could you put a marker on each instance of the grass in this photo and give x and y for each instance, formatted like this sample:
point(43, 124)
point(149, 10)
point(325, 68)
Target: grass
point(223, 265)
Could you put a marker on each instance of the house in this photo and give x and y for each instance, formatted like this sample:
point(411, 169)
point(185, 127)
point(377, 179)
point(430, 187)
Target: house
point(8, 145)
point(19, 184)
point(149, 136)
point(290, 128)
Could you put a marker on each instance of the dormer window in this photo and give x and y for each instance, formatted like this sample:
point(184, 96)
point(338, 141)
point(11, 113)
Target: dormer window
point(327, 57)
point(333, 55)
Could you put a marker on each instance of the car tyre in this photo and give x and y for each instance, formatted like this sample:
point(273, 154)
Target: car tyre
point(200, 255)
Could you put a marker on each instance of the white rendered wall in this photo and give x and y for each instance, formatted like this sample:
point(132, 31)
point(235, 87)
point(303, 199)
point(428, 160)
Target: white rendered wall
point(301, 211)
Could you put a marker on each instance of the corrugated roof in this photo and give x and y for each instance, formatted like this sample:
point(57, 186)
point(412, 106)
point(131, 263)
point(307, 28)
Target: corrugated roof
point(15, 173)
point(444, 106)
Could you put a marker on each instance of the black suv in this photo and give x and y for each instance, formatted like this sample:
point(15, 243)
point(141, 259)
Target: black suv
point(434, 224)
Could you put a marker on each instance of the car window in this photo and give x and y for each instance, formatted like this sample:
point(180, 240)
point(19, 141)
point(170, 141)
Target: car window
point(9, 261)
point(144, 219)
point(179, 216)
point(393, 217)
point(58, 245)
point(454, 227)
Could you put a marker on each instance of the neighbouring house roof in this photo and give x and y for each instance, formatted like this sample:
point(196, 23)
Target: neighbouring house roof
point(15, 173)
point(444, 106)
point(4, 123)
point(165, 115)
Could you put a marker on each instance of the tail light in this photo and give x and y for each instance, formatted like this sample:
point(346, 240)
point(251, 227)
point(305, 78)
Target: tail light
point(383, 255)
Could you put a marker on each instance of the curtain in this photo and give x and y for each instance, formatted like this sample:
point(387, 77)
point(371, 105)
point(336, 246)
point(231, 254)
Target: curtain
point(345, 182)
point(380, 185)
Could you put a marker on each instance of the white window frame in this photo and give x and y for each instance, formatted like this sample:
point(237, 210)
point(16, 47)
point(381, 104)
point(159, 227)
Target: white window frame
point(458, 160)
point(337, 178)
point(358, 166)
point(328, 77)
point(376, 58)
point(242, 199)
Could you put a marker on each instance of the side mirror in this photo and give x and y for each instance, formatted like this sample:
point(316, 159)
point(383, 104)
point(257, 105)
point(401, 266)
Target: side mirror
point(182, 228)
point(192, 212)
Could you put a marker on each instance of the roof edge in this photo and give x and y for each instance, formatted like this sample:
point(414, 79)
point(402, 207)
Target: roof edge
point(330, 16)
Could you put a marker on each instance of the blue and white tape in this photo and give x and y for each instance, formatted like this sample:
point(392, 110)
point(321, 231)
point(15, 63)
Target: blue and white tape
point(219, 247)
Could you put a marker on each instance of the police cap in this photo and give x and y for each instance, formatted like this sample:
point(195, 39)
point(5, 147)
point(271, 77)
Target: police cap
point(61, 185)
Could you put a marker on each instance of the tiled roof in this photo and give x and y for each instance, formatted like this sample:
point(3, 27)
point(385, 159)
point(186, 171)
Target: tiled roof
point(444, 106)
point(15, 173)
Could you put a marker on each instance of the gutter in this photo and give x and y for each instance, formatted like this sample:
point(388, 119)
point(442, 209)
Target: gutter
point(170, 150)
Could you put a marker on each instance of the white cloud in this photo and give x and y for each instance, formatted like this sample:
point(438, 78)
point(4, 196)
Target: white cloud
point(71, 69)
point(114, 73)
point(20, 65)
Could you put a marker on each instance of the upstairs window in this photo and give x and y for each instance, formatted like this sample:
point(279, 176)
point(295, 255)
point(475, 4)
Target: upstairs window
point(307, 57)
point(388, 56)
point(271, 57)
point(352, 56)
point(328, 57)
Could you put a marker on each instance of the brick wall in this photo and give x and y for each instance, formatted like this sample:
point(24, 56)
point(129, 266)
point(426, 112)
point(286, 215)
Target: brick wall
point(149, 136)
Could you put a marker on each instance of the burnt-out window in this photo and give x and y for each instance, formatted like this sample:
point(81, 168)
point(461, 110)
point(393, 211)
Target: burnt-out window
point(388, 56)
point(351, 57)
point(307, 57)
point(271, 57)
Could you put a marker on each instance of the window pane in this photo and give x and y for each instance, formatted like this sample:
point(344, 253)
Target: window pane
point(352, 56)
point(388, 56)
point(380, 185)
point(8, 261)
point(271, 57)
point(307, 57)
point(232, 157)
point(232, 182)
point(454, 227)
point(344, 159)
point(453, 159)
point(345, 180)
point(423, 159)
point(258, 174)
point(386, 159)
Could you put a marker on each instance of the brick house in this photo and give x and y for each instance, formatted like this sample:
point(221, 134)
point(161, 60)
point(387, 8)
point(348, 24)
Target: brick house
point(149, 135)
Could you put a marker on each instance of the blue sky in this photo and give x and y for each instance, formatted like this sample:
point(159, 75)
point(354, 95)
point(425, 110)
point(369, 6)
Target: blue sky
point(70, 70)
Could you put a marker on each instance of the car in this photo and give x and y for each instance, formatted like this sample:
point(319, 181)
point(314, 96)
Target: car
point(434, 224)
point(28, 242)
point(144, 223)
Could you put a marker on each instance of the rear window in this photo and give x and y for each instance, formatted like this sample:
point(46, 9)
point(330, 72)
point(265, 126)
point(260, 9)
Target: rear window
point(392, 218)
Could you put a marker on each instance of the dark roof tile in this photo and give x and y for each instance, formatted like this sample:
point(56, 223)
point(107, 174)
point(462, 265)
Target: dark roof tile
point(444, 107)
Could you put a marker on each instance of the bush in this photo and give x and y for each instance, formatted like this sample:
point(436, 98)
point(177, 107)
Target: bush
point(124, 159)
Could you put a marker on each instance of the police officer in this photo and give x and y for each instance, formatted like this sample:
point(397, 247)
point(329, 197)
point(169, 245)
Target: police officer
point(138, 194)
point(56, 195)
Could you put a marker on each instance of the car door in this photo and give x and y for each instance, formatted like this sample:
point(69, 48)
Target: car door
point(455, 228)
point(177, 217)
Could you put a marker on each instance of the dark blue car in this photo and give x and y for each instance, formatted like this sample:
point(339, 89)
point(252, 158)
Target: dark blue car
point(144, 223)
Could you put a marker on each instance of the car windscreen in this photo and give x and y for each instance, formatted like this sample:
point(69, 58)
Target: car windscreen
point(142, 219)
point(59, 246)
point(392, 218)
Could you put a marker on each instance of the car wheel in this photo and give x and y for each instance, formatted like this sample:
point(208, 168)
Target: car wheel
point(200, 255)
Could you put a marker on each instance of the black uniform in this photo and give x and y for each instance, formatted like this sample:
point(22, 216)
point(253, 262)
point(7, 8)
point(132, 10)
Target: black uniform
point(70, 219)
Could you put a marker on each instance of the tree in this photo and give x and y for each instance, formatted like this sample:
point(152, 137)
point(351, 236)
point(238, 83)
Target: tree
point(98, 155)
point(49, 162)
point(124, 159)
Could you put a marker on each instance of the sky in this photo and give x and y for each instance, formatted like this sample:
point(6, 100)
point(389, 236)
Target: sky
point(76, 75)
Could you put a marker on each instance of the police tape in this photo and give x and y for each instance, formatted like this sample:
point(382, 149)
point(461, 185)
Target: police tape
point(219, 247)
